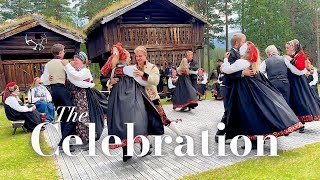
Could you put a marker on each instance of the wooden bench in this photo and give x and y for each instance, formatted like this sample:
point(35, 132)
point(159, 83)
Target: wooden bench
point(16, 124)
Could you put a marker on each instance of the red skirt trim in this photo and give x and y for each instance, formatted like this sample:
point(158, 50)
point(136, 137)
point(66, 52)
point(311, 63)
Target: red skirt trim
point(124, 142)
point(280, 133)
point(309, 118)
point(184, 105)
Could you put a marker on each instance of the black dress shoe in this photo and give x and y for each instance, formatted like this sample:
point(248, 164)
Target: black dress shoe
point(149, 152)
point(301, 130)
point(216, 138)
point(253, 143)
point(71, 148)
point(124, 157)
point(183, 109)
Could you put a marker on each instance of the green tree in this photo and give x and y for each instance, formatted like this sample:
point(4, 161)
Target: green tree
point(264, 22)
point(89, 8)
point(58, 9)
point(13, 8)
point(211, 9)
point(304, 19)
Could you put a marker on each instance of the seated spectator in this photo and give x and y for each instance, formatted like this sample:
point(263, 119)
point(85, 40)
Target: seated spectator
point(16, 110)
point(202, 80)
point(41, 97)
point(172, 83)
point(162, 76)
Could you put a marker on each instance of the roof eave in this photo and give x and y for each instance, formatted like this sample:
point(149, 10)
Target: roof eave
point(122, 10)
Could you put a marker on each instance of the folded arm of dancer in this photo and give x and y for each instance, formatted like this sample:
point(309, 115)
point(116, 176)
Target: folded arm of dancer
point(242, 64)
point(315, 79)
point(239, 65)
point(294, 69)
point(80, 78)
point(153, 77)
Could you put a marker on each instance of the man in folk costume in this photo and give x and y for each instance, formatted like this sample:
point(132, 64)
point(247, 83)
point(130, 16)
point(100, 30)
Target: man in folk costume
point(255, 107)
point(60, 95)
point(150, 73)
point(275, 68)
point(193, 66)
point(237, 40)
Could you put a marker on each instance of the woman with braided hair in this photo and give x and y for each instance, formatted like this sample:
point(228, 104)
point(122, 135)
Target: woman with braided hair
point(302, 100)
point(255, 106)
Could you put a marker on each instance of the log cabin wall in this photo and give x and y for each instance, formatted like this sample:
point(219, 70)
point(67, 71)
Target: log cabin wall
point(164, 29)
point(19, 62)
point(14, 47)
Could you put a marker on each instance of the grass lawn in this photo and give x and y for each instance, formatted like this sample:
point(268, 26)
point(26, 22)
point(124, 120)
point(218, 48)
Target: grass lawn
point(301, 163)
point(17, 157)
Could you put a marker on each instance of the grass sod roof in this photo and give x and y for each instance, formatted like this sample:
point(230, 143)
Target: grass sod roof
point(94, 22)
point(6, 26)
point(123, 4)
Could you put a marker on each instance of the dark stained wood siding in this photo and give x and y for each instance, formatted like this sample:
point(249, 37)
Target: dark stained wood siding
point(21, 71)
point(20, 63)
point(16, 44)
point(166, 30)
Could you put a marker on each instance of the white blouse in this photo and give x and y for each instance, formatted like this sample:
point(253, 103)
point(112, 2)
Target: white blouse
point(79, 78)
point(12, 101)
point(205, 78)
point(170, 83)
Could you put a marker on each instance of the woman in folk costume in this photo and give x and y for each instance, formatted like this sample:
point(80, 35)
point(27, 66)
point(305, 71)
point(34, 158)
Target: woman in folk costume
point(128, 102)
point(150, 75)
point(41, 97)
point(202, 80)
point(312, 77)
point(79, 85)
point(255, 106)
point(304, 103)
point(185, 96)
point(16, 110)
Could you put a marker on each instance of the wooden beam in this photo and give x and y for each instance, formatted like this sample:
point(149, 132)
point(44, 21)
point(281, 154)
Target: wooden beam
point(163, 48)
point(45, 51)
point(17, 29)
point(7, 62)
point(154, 25)
point(50, 43)
point(2, 76)
point(26, 47)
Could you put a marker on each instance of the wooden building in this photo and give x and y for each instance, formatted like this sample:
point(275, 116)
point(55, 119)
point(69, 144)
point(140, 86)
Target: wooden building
point(165, 27)
point(25, 46)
